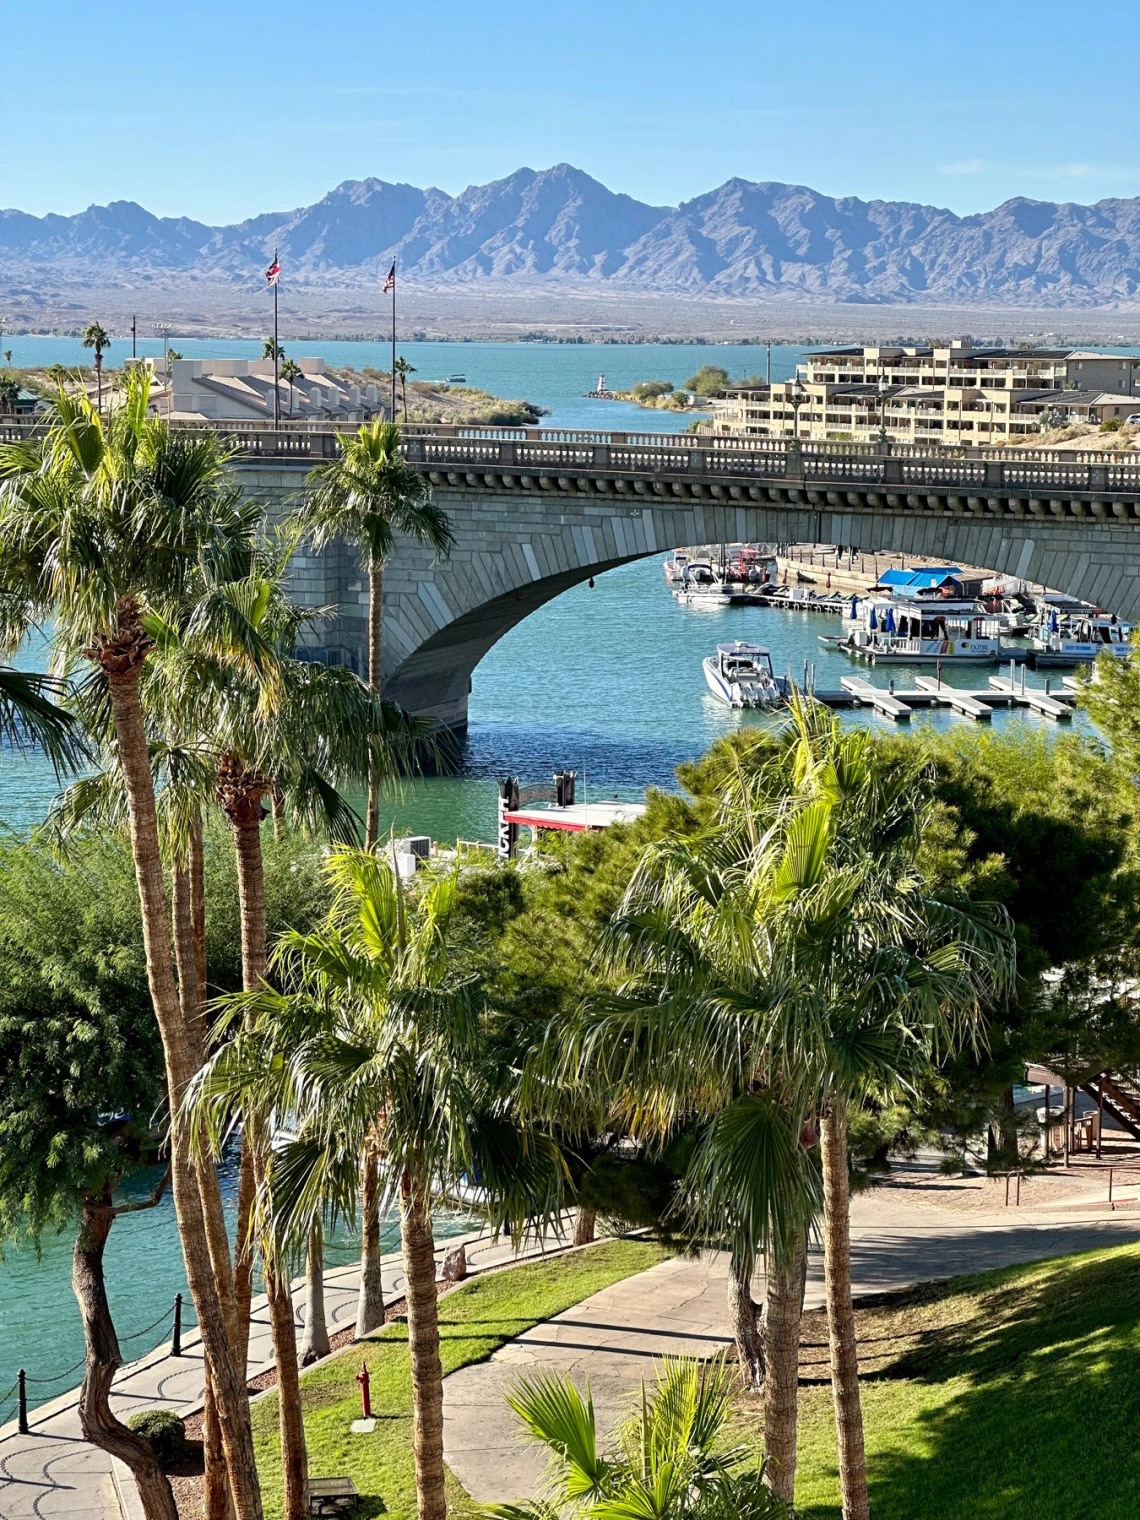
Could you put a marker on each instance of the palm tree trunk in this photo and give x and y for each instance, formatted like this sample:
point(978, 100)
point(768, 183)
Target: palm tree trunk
point(370, 1301)
point(122, 662)
point(315, 1341)
point(584, 1227)
point(243, 1251)
point(423, 1344)
point(375, 679)
point(294, 1464)
point(840, 1313)
point(197, 856)
point(743, 1312)
point(96, 1420)
point(245, 812)
point(215, 1485)
point(782, 1317)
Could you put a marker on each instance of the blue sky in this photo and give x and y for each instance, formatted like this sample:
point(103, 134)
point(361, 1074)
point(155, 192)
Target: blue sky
point(220, 110)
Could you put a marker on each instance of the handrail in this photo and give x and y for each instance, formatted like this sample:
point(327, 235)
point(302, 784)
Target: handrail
point(566, 451)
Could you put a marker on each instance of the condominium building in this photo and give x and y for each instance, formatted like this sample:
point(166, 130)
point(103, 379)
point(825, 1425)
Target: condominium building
point(957, 394)
point(241, 390)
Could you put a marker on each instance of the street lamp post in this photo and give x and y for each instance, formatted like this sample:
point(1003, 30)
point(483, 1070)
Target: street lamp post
point(162, 330)
point(884, 437)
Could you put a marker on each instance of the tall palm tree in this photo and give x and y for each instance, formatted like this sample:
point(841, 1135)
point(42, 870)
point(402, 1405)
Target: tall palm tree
point(375, 1020)
point(9, 394)
point(95, 336)
point(403, 370)
point(99, 525)
point(795, 948)
point(368, 495)
point(291, 371)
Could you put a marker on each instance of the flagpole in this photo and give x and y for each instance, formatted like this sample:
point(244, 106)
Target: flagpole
point(276, 359)
point(393, 340)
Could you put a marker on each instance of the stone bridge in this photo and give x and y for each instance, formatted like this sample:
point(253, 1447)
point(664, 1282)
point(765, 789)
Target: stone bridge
point(536, 511)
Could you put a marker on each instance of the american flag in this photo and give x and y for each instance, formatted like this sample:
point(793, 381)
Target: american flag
point(390, 282)
point(273, 273)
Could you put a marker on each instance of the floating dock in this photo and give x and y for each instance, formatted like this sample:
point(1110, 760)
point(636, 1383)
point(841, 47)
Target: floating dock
point(898, 703)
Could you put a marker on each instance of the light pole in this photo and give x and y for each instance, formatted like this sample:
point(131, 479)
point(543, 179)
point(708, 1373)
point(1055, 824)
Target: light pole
point(797, 396)
point(884, 439)
point(162, 330)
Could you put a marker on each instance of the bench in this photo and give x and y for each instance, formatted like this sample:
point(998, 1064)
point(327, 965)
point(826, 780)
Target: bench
point(331, 1496)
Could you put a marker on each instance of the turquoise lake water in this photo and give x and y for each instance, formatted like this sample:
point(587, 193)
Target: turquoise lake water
point(607, 681)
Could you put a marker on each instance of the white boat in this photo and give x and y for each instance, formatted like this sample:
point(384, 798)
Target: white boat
point(701, 586)
point(914, 631)
point(741, 675)
point(1078, 640)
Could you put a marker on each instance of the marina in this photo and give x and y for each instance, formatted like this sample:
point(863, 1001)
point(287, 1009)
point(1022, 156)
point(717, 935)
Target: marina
point(898, 703)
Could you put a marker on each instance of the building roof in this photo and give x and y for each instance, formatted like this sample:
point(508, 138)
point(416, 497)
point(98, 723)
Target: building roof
point(920, 580)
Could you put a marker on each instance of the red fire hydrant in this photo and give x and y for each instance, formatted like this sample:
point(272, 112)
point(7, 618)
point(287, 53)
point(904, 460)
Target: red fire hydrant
point(365, 1398)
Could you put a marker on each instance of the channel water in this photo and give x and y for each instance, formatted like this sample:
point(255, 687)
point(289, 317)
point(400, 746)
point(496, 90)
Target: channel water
point(606, 680)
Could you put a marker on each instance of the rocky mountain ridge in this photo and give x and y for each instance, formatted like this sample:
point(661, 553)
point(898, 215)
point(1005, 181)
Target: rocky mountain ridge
point(560, 229)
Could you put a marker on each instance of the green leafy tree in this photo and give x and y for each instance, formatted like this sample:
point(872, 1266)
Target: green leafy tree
point(792, 959)
point(709, 380)
point(81, 1075)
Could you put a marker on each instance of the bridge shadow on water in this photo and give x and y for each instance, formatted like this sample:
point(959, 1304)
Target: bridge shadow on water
point(1015, 1402)
point(609, 762)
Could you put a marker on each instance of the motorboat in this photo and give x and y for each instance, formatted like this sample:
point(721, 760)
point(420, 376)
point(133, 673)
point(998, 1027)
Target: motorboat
point(912, 631)
point(674, 566)
point(702, 586)
point(741, 674)
point(1061, 640)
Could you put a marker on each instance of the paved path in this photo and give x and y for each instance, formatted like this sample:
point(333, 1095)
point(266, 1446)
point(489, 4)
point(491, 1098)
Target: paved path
point(52, 1471)
point(680, 1308)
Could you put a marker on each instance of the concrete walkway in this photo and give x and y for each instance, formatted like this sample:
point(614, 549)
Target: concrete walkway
point(52, 1471)
point(679, 1308)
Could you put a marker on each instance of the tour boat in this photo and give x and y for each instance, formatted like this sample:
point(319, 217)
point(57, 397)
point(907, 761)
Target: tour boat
point(1058, 640)
point(909, 631)
point(741, 675)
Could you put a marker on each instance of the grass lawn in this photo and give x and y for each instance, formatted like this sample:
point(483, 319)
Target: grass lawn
point(1013, 1395)
point(475, 1320)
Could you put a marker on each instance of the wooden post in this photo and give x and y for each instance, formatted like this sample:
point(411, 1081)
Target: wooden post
point(1048, 1090)
point(1067, 1117)
point(1099, 1114)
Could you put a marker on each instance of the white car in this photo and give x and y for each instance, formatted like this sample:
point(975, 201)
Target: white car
point(1133, 417)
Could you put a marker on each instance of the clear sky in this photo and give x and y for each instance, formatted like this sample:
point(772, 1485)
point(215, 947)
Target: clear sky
point(218, 109)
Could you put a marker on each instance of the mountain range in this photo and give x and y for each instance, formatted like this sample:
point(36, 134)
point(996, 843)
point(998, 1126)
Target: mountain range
point(560, 229)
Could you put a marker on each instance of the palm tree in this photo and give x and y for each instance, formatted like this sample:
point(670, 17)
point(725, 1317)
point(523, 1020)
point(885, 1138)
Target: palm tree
point(376, 1032)
point(94, 336)
point(403, 369)
point(30, 717)
point(672, 1461)
point(290, 371)
point(795, 949)
point(271, 350)
point(368, 495)
point(100, 525)
point(9, 394)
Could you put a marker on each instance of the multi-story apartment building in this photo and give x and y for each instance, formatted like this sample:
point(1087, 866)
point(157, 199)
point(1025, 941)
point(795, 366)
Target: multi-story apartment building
point(958, 394)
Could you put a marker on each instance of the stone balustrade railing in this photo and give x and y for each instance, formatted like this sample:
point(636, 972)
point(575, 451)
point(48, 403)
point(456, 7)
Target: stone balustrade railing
point(695, 457)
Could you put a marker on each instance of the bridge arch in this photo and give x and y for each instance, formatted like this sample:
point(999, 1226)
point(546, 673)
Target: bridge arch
point(536, 516)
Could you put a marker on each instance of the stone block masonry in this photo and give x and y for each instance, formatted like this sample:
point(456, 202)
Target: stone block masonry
point(523, 539)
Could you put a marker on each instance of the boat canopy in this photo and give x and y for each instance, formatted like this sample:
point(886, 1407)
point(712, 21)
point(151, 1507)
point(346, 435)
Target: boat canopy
point(740, 648)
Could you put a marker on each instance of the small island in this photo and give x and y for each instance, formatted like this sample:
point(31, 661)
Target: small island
point(696, 395)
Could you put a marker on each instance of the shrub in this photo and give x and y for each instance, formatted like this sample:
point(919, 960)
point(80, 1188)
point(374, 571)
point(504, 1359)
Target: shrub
point(709, 380)
point(1112, 425)
point(649, 390)
point(165, 1432)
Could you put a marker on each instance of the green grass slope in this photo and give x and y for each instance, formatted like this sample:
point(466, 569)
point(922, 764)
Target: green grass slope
point(475, 1320)
point(1013, 1395)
